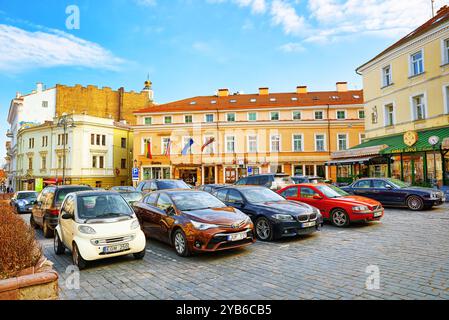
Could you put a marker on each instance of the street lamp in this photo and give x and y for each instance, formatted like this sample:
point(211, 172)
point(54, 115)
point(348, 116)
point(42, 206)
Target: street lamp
point(66, 121)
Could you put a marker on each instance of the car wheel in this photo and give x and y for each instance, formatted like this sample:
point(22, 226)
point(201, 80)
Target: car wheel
point(180, 243)
point(264, 229)
point(77, 258)
point(340, 218)
point(58, 245)
point(33, 223)
point(48, 232)
point(139, 255)
point(415, 203)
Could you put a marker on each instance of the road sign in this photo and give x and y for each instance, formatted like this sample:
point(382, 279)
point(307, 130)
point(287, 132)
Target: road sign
point(433, 140)
point(250, 170)
point(135, 174)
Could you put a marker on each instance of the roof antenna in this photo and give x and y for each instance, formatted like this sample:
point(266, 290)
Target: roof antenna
point(433, 9)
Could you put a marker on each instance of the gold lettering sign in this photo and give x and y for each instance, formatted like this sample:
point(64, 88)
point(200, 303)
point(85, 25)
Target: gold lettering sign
point(410, 138)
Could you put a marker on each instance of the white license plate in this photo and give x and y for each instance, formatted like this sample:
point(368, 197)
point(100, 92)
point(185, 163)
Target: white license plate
point(377, 214)
point(237, 236)
point(308, 224)
point(117, 248)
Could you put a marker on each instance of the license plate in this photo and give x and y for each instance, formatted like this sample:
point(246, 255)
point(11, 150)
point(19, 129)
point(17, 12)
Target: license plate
point(117, 248)
point(237, 236)
point(377, 214)
point(308, 224)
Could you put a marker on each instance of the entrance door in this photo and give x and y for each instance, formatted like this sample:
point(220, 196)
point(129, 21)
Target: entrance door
point(230, 175)
point(209, 175)
point(189, 176)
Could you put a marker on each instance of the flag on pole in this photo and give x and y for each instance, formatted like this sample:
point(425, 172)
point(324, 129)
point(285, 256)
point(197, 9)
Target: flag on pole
point(208, 142)
point(187, 147)
point(149, 155)
point(167, 148)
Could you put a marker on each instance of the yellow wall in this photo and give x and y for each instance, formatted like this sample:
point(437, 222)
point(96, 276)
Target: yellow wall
point(123, 153)
point(432, 83)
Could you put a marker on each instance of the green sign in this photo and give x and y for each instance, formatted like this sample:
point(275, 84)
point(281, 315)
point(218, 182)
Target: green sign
point(39, 185)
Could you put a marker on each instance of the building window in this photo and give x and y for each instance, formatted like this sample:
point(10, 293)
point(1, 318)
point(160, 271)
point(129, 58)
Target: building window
point(296, 115)
point(94, 161)
point(165, 141)
point(310, 169)
point(341, 114)
point(276, 168)
point(185, 141)
point(419, 108)
point(101, 162)
point(389, 115)
point(103, 140)
point(320, 144)
point(92, 139)
point(252, 144)
point(361, 114)
point(31, 143)
point(123, 143)
point(446, 98)
point(44, 141)
point(386, 76)
point(143, 146)
point(44, 163)
point(275, 143)
point(230, 117)
point(168, 119)
point(297, 143)
point(210, 148)
point(274, 116)
point(98, 139)
point(318, 115)
point(123, 163)
point(148, 120)
point(445, 58)
point(30, 163)
point(362, 137)
point(417, 63)
point(230, 144)
point(44, 104)
point(188, 119)
point(209, 118)
point(252, 116)
point(342, 141)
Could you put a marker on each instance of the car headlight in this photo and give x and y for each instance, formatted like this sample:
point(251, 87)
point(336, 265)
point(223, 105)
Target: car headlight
point(248, 220)
point(360, 208)
point(434, 195)
point(135, 224)
point(86, 230)
point(203, 226)
point(283, 217)
point(21, 203)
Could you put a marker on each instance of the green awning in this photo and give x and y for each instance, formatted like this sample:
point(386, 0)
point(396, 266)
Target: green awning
point(396, 143)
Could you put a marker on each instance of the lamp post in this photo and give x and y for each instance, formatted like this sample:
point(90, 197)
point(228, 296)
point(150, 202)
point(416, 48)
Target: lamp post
point(66, 121)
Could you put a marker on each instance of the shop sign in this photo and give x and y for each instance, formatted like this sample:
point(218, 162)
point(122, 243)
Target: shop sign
point(445, 143)
point(39, 185)
point(410, 138)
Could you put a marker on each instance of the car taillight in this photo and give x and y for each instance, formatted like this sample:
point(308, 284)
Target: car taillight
point(53, 212)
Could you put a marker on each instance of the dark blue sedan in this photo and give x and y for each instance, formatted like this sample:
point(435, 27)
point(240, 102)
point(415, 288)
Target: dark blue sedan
point(273, 216)
point(393, 192)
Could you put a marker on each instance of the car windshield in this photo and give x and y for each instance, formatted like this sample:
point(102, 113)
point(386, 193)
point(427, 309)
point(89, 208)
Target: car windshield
point(123, 188)
point(27, 195)
point(172, 184)
point(102, 206)
point(399, 183)
point(132, 196)
point(65, 191)
point(331, 191)
point(258, 195)
point(187, 201)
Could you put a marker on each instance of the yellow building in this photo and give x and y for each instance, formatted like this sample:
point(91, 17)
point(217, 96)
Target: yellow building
point(266, 132)
point(406, 91)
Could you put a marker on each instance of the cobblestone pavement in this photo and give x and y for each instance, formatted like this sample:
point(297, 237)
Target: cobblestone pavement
point(411, 250)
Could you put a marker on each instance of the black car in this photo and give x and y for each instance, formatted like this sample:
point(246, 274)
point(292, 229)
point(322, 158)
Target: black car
point(212, 188)
point(273, 216)
point(393, 192)
point(23, 201)
point(46, 208)
point(148, 186)
point(273, 181)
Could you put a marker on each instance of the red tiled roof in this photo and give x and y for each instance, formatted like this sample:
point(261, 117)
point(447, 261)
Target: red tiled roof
point(441, 17)
point(243, 101)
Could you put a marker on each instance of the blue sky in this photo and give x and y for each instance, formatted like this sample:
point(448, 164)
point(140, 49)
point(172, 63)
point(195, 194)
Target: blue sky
point(193, 47)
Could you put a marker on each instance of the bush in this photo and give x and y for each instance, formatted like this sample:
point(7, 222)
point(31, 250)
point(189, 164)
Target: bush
point(19, 249)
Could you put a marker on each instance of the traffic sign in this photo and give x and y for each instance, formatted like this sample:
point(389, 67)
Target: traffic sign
point(135, 174)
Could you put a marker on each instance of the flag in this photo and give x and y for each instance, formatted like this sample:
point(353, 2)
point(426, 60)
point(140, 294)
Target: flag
point(187, 147)
point(167, 148)
point(208, 142)
point(149, 155)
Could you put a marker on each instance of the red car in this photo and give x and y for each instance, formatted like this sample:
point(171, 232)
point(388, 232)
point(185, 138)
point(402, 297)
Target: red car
point(335, 205)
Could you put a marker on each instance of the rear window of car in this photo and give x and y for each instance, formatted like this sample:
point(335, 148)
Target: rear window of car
point(25, 195)
point(61, 193)
point(175, 184)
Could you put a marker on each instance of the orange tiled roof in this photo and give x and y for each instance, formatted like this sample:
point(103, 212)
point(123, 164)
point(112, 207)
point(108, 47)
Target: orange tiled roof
point(246, 101)
point(441, 17)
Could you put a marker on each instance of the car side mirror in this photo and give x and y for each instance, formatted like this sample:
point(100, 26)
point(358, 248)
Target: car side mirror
point(316, 196)
point(388, 187)
point(170, 211)
point(67, 216)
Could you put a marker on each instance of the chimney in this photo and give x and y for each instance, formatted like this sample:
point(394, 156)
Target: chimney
point(264, 91)
point(18, 94)
point(301, 89)
point(39, 87)
point(342, 86)
point(223, 92)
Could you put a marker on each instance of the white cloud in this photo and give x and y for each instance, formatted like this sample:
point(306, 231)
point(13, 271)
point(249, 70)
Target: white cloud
point(292, 47)
point(21, 50)
point(257, 6)
point(285, 15)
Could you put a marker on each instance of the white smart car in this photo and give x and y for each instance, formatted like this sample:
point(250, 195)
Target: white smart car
point(96, 225)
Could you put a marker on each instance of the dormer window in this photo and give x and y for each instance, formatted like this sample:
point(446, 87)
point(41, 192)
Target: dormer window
point(253, 100)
